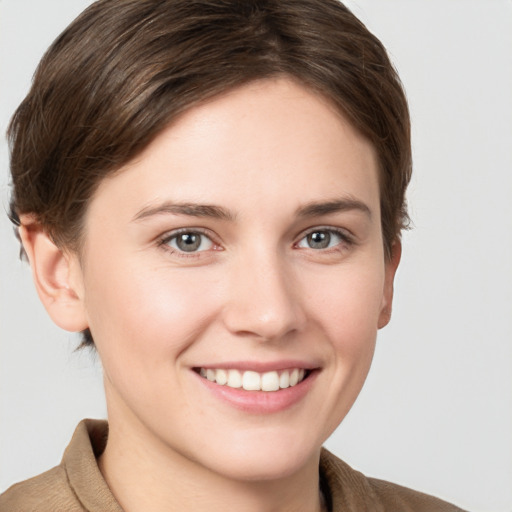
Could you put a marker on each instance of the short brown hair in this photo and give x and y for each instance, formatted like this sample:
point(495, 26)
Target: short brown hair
point(116, 77)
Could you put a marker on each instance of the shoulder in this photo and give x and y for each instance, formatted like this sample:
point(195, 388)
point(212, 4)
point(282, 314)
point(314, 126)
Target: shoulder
point(396, 497)
point(350, 490)
point(76, 485)
point(49, 491)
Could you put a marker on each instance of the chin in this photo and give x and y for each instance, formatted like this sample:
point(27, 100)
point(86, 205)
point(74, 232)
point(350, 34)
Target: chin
point(269, 457)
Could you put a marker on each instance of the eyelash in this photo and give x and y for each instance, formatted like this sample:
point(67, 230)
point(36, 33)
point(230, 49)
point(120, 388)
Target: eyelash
point(165, 240)
point(346, 239)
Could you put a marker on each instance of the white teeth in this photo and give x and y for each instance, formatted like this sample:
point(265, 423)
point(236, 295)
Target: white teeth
point(270, 381)
point(284, 380)
point(234, 379)
point(254, 381)
point(294, 377)
point(222, 377)
point(251, 381)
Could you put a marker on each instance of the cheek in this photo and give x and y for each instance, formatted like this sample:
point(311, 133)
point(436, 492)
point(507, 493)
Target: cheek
point(346, 314)
point(350, 304)
point(145, 314)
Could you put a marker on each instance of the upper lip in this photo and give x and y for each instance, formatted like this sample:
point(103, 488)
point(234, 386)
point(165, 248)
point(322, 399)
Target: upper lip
point(260, 366)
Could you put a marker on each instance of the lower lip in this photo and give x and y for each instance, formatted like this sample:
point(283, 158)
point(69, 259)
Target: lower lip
point(261, 402)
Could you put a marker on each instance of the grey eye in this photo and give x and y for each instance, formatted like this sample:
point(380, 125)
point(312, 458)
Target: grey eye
point(190, 242)
point(321, 239)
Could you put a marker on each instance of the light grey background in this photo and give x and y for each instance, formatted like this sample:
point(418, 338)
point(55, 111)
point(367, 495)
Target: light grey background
point(436, 413)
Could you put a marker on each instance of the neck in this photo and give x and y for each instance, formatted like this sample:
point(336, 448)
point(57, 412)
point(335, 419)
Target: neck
point(152, 477)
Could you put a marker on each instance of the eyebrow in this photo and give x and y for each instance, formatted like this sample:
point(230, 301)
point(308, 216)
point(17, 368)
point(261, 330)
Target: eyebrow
point(313, 209)
point(317, 209)
point(189, 209)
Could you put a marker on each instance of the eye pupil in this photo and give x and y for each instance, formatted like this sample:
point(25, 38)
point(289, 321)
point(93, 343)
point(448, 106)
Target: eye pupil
point(188, 242)
point(319, 239)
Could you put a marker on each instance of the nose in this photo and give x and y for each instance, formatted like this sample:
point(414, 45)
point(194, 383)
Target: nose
point(264, 300)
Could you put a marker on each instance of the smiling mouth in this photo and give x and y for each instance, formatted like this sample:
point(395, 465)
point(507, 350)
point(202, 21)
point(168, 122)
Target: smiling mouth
point(254, 381)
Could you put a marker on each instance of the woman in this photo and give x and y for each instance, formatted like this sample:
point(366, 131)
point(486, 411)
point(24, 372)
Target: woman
point(213, 194)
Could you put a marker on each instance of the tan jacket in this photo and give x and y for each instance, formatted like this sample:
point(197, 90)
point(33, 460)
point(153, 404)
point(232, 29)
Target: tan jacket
point(76, 485)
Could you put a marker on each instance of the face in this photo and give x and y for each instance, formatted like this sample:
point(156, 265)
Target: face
point(233, 278)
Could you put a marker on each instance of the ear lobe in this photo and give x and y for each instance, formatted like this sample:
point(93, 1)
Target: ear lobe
point(387, 298)
point(56, 275)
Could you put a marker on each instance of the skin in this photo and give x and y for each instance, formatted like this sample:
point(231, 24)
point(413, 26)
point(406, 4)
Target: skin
point(255, 292)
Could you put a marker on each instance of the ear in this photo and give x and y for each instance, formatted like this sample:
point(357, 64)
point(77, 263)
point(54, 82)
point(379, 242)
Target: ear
point(57, 276)
point(390, 271)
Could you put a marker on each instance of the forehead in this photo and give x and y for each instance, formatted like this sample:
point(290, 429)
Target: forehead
point(268, 144)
